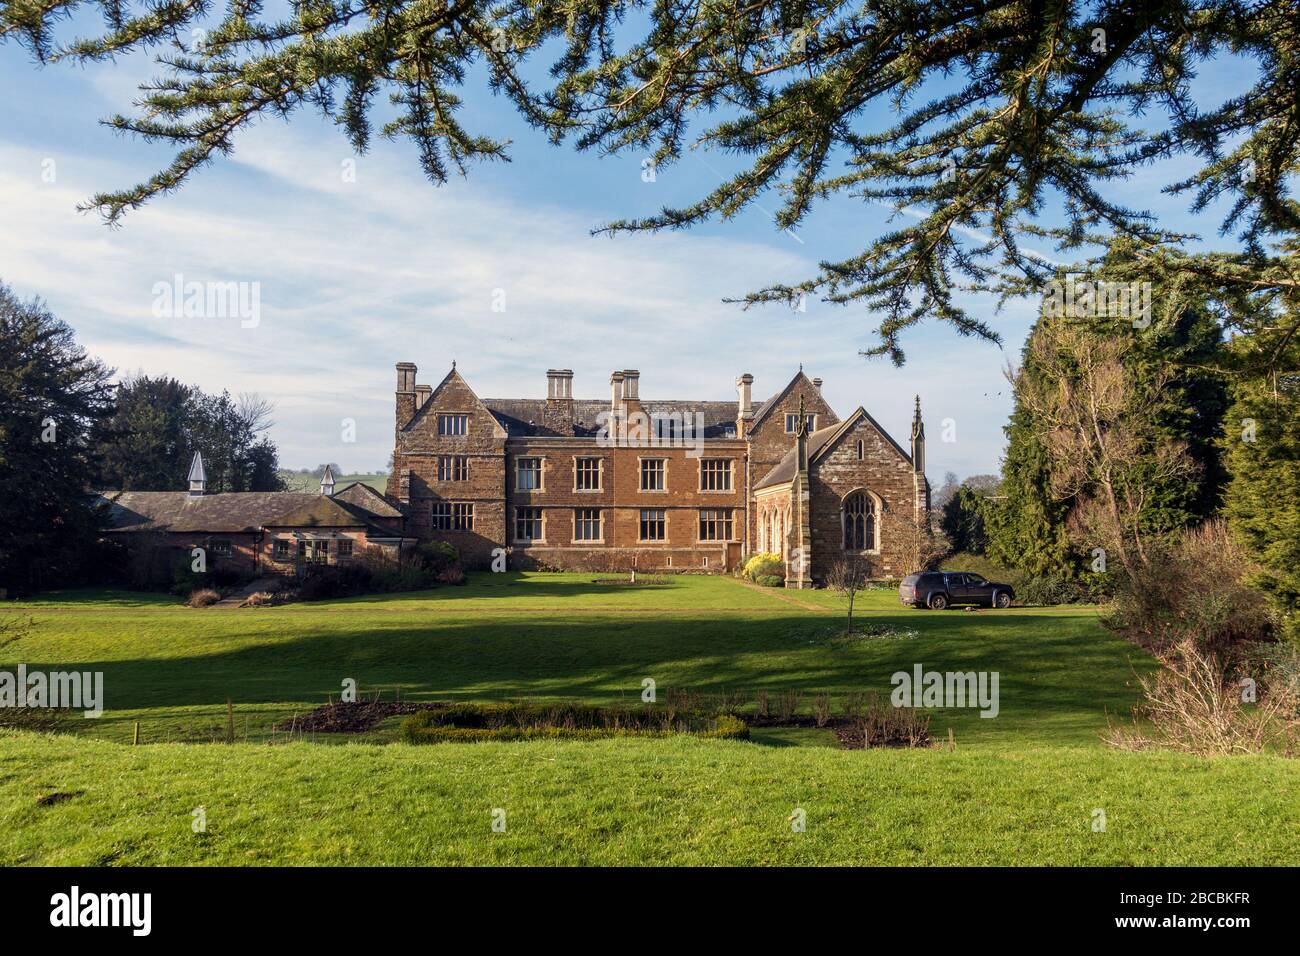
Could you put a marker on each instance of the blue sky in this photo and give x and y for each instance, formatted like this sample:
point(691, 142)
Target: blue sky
point(356, 276)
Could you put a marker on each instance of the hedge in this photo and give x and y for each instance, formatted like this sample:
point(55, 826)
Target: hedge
point(470, 723)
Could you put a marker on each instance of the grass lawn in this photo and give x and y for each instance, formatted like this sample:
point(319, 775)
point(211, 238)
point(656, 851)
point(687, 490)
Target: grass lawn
point(1020, 788)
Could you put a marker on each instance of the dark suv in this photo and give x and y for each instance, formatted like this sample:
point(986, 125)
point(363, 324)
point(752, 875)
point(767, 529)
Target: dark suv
point(939, 589)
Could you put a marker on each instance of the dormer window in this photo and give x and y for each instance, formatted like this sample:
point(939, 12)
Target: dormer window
point(453, 424)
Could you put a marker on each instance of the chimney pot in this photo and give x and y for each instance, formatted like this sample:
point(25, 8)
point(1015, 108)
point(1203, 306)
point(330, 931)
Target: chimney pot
point(406, 376)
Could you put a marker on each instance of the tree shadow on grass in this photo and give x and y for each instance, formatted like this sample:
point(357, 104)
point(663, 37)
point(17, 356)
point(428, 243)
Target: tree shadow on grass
point(1058, 675)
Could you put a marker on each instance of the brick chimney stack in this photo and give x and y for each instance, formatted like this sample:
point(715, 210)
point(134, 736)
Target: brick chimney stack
point(744, 404)
point(405, 392)
point(559, 400)
point(422, 394)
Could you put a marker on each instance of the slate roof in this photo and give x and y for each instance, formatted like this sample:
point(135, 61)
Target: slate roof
point(786, 469)
point(363, 496)
point(324, 512)
point(526, 417)
point(244, 511)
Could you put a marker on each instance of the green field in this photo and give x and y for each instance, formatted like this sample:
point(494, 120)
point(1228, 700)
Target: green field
point(1021, 788)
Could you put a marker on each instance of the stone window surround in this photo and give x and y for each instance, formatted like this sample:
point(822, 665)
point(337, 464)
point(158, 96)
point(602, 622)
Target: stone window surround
point(731, 478)
point(600, 518)
point(514, 525)
point(877, 506)
point(600, 474)
point(452, 413)
point(640, 520)
point(640, 475)
point(730, 520)
point(452, 469)
point(541, 473)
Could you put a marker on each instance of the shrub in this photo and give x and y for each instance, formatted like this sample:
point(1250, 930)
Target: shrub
point(202, 598)
point(1196, 589)
point(764, 564)
point(770, 581)
point(453, 575)
point(821, 706)
point(1191, 705)
point(884, 725)
point(523, 721)
point(436, 556)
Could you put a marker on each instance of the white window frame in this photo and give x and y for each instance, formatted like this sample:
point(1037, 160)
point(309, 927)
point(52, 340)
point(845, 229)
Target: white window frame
point(454, 463)
point(729, 521)
point(792, 418)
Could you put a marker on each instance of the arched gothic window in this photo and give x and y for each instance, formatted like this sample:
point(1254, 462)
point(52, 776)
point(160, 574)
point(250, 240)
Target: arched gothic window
point(860, 450)
point(858, 517)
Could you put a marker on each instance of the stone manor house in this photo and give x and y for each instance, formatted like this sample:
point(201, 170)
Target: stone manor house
point(562, 482)
point(678, 485)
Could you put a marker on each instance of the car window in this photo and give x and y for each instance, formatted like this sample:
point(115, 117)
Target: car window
point(956, 580)
point(975, 579)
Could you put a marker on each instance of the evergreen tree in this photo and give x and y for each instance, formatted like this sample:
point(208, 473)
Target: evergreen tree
point(1174, 365)
point(962, 522)
point(1262, 442)
point(158, 424)
point(52, 398)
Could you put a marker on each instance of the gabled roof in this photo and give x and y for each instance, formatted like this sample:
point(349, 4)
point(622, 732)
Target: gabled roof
point(452, 376)
point(766, 408)
point(324, 512)
point(367, 498)
point(819, 443)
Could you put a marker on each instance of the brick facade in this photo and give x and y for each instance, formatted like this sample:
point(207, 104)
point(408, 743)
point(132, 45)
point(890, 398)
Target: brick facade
point(503, 480)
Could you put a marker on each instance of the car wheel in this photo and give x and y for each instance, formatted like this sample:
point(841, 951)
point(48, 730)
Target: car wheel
point(937, 602)
point(1002, 599)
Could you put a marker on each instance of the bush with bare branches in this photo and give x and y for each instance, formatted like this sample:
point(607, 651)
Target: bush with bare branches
point(1197, 591)
point(1191, 705)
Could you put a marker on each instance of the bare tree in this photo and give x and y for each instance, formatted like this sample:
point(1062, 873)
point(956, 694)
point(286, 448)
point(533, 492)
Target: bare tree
point(913, 538)
point(848, 576)
point(1096, 427)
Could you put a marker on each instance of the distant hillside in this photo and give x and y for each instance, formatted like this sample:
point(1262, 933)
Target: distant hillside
point(294, 481)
